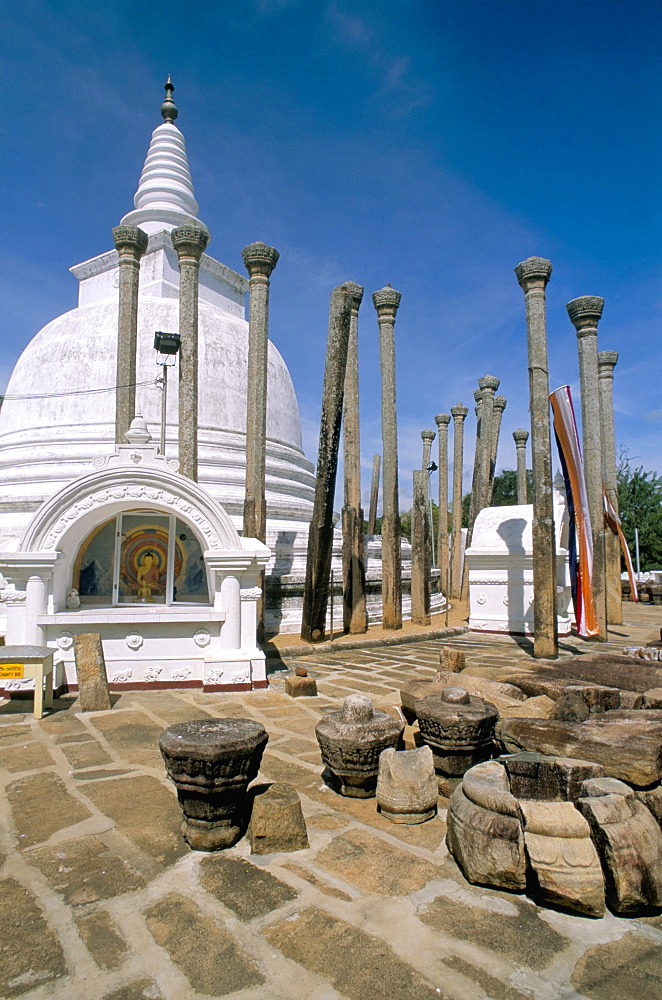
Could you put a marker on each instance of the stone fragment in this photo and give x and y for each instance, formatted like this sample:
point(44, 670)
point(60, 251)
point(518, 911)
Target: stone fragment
point(504, 696)
point(538, 707)
point(91, 673)
point(300, 685)
point(211, 763)
point(277, 822)
point(632, 700)
point(620, 970)
point(102, 939)
point(244, 888)
point(460, 731)
point(624, 672)
point(570, 708)
point(652, 799)
point(407, 785)
point(30, 953)
point(316, 940)
point(629, 843)
point(203, 950)
point(563, 860)
point(485, 831)
point(351, 741)
point(626, 744)
point(653, 698)
point(35, 824)
point(452, 659)
point(536, 776)
point(598, 697)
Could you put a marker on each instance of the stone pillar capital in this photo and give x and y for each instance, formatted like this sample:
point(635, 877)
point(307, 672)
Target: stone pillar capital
point(459, 411)
point(585, 313)
point(534, 272)
point(442, 420)
point(606, 363)
point(489, 384)
point(478, 396)
point(500, 403)
point(428, 435)
point(259, 259)
point(386, 302)
point(521, 437)
point(356, 291)
point(190, 242)
point(130, 240)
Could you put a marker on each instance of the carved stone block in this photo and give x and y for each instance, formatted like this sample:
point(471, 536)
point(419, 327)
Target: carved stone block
point(536, 776)
point(407, 785)
point(277, 822)
point(91, 673)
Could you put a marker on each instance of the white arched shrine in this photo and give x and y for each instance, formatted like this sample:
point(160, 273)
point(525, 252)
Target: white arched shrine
point(154, 632)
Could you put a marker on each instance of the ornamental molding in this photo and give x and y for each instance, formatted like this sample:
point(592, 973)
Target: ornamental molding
point(9, 596)
point(65, 640)
point(201, 638)
point(250, 593)
point(134, 640)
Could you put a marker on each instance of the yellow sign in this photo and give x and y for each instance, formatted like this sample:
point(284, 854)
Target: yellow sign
point(8, 670)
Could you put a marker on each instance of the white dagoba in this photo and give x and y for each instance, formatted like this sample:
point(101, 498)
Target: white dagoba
point(49, 440)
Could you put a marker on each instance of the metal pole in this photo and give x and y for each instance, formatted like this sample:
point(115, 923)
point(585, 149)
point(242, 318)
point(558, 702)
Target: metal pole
point(331, 608)
point(434, 561)
point(636, 549)
point(164, 401)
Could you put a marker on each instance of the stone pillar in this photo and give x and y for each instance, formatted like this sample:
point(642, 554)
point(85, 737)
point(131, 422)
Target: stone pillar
point(606, 363)
point(130, 243)
point(386, 302)
point(475, 476)
point(320, 533)
point(458, 413)
point(374, 493)
point(427, 438)
point(500, 403)
point(442, 420)
point(355, 616)
point(259, 260)
point(189, 242)
point(584, 314)
point(420, 551)
point(521, 437)
point(533, 275)
point(488, 386)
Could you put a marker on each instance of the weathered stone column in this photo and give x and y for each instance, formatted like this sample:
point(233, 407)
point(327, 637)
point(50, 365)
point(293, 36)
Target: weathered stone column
point(130, 243)
point(189, 242)
point(427, 438)
point(533, 275)
point(374, 493)
point(386, 302)
point(500, 403)
point(259, 260)
point(521, 437)
point(420, 551)
point(320, 533)
point(584, 314)
point(442, 420)
point(355, 617)
point(606, 363)
point(458, 413)
point(488, 386)
point(475, 476)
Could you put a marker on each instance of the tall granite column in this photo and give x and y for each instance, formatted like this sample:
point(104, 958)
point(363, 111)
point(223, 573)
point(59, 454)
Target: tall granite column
point(386, 302)
point(475, 476)
point(259, 260)
point(500, 403)
point(374, 493)
point(533, 275)
point(130, 243)
point(585, 313)
point(458, 413)
point(355, 616)
point(488, 386)
point(442, 420)
point(521, 437)
point(606, 363)
point(320, 533)
point(427, 438)
point(420, 551)
point(189, 241)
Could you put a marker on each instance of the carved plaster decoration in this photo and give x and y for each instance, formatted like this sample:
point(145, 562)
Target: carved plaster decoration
point(250, 593)
point(152, 674)
point(505, 600)
point(241, 676)
point(214, 676)
point(134, 640)
point(481, 599)
point(65, 640)
point(135, 456)
point(136, 491)
point(181, 675)
point(9, 596)
point(19, 685)
point(121, 676)
point(201, 637)
point(73, 600)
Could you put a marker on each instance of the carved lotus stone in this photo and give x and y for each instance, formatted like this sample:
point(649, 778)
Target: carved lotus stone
point(211, 763)
point(351, 741)
point(459, 729)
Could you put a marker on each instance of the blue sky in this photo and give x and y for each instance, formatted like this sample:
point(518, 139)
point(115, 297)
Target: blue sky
point(432, 145)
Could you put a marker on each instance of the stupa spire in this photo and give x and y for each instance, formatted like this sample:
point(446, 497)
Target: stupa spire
point(165, 197)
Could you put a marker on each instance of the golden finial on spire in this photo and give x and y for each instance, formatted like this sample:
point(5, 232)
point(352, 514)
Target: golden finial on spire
point(169, 108)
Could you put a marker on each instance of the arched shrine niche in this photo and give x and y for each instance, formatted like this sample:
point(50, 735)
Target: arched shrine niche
point(141, 557)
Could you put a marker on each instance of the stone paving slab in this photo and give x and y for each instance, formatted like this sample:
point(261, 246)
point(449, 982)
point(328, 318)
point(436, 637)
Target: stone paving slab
point(101, 899)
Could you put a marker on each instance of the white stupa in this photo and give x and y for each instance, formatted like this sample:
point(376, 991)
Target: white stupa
point(52, 427)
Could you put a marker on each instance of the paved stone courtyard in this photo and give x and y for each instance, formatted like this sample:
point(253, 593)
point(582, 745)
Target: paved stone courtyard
point(101, 899)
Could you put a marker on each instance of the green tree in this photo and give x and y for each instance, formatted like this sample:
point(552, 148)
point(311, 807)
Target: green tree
point(640, 506)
